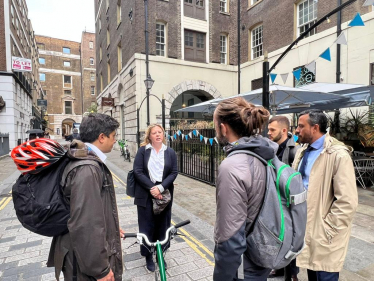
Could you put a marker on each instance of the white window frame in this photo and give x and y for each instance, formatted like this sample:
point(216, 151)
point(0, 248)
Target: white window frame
point(159, 43)
point(91, 45)
point(253, 45)
point(255, 1)
point(67, 63)
point(310, 20)
point(92, 88)
point(71, 82)
point(223, 6)
point(223, 48)
point(92, 76)
point(66, 48)
point(40, 77)
point(92, 61)
point(71, 102)
point(40, 58)
point(119, 13)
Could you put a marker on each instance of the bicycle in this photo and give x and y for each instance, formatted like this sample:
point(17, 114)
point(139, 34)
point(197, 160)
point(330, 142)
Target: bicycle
point(123, 146)
point(142, 239)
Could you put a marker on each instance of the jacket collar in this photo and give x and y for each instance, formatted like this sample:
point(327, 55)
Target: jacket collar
point(330, 145)
point(78, 150)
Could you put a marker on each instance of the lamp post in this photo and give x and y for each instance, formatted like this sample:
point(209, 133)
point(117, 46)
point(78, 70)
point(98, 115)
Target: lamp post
point(148, 84)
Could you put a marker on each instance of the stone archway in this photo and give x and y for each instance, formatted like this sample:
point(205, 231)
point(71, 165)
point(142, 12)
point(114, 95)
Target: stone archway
point(195, 85)
point(67, 126)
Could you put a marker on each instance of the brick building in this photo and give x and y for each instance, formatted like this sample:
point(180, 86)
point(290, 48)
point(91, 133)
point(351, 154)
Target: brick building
point(193, 51)
point(19, 89)
point(67, 74)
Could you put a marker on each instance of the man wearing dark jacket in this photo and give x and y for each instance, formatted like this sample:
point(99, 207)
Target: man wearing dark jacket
point(91, 250)
point(241, 185)
point(278, 132)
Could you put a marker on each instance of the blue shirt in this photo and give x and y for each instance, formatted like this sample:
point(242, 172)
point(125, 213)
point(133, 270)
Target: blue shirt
point(312, 157)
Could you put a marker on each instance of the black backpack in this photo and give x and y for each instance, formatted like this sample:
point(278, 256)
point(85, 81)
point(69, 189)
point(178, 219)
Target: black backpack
point(39, 201)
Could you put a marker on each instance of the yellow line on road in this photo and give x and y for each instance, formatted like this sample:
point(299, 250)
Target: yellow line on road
point(117, 178)
point(7, 200)
point(195, 245)
point(1, 202)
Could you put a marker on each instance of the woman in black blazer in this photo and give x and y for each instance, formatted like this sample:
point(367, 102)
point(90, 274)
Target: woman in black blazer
point(155, 169)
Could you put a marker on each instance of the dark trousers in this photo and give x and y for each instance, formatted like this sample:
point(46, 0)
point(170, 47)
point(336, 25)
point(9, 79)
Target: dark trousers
point(291, 270)
point(154, 226)
point(322, 276)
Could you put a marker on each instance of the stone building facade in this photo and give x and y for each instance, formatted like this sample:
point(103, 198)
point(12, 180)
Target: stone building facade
point(68, 74)
point(19, 90)
point(194, 53)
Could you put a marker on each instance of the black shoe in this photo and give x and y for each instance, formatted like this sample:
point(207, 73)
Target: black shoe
point(150, 264)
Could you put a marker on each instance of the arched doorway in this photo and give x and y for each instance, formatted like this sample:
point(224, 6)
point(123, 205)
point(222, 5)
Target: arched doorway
point(67, 126)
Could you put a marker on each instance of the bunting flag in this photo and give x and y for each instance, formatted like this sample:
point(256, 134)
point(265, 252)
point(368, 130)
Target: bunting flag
point(326, 55)
point(197, 132)
point(186, 136)
point(182, 136)
point(190, 135)
point(357, 21)
point(216, 140)
point(175, 136)
point(284, 77)
point(194, 133)
point(179, 132)
point(311, 67)
point(273, 76)
point(211, 141)
point(295, 138)
point(201, 137)
point(342, 40)
point(297, 73)
point(172, 138)
point(368, 3)
point(206, 140)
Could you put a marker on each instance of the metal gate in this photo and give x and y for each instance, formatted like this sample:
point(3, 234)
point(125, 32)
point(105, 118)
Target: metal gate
point(197, 159)
point(4, 144)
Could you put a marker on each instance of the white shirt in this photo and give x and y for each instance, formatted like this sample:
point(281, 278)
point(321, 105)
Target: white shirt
point(97, 151)
point(156, 165)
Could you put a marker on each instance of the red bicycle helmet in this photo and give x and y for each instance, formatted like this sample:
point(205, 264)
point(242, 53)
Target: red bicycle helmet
point(36, 155)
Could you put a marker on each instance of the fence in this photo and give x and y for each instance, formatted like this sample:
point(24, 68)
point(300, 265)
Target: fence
point(4, 144)
point(197, 159)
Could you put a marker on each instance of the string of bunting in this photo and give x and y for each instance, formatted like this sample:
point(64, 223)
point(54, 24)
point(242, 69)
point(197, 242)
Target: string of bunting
point(326, 55)
point(191, 135)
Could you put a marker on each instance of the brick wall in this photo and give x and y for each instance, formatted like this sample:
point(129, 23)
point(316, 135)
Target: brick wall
point(2, 39)
point(87, 69)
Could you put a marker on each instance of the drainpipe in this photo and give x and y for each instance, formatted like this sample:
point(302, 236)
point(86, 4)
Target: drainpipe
point(338, 32)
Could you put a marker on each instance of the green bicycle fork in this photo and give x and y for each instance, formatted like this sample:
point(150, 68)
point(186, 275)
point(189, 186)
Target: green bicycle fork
point(160, 259)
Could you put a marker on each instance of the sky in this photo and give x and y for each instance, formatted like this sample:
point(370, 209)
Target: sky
point(65, 19)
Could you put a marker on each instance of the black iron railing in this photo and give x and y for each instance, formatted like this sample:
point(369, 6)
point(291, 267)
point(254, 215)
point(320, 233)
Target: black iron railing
point(197, 159)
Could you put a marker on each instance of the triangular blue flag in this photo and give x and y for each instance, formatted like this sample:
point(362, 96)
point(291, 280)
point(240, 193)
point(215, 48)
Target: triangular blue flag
point(211, 141)
point(194, 132)
point(179, 132)
point(273, 76)
point(201, 137)
point(175, 136)
point(186, 136)
point(326, 55)
point(295, 138)
point(357, 21)
point(297, 73)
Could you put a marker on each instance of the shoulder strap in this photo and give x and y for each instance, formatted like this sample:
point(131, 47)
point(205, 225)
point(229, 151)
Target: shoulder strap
point(249, 153)
point(74, 164)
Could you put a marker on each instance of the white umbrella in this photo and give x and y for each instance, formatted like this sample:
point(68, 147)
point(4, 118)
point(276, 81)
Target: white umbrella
point(205, 107)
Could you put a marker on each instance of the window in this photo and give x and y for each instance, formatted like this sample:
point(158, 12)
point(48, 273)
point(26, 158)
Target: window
point(307, 16)
point(372, 74)
point(42, 60)
point(107, 5)
point(90, 45)
point(92, 90)
point(66, 50)
point(67, 63)
point(67, 92)
point(119, 13)
point(107, 38)
point(42, 77)
point(306, 77)
point(194, 46)
point(17, 26)
point(67, 80)
point(92, 61)
point(40, 46)
point(160, 39)
point(194, 9)
point(12, 14)
point(108, 71)
point(257, 47)
point(223, 44)
point(119, 56)
point(100, 23)
point(256, 84)
point(68, 107)
point(254, 1)
point(101, 82)
point(92, 76)
point(101, 53)
point(223, 6)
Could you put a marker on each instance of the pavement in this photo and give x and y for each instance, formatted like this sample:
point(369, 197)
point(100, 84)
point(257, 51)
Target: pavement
point(23, 254)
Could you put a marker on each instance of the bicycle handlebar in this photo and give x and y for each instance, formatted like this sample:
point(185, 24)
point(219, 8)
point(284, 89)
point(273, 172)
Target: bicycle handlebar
point(144, 238)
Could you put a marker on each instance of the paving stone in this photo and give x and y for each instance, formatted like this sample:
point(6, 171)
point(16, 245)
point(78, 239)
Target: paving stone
point(182, 277)
point(25, 245)
point(132, 257)
point(8, 219)
point(13, 227)
point(20, 269)
point(41, 258)
point(7, 239)
point(5, 266)
point(8, 254)
point(182, 269)
point(22, 257)
point(136, 263)
point(201, 273)
point(136, 272)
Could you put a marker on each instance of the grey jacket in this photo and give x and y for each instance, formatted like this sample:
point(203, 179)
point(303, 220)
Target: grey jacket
point(290, 150)
point(239, 194)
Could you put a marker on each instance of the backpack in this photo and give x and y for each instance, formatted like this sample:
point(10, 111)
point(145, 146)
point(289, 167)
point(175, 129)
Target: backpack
point(278, 232)
point(39, 201)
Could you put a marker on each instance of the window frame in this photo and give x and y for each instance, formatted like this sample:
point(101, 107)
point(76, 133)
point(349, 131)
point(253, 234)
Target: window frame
point(164, 44)
point(66, 62)
point(71, 81)
point(41, 58)
point(192, 9)
point(253, 46)
point(40, 77)
point(71, 107)
point(66, 48)
point(119, 13)
point(107, 38)
point(226, 48)
point(92, 75)
point(194, 48)
point(92, 92)
point(371, 77)
point(108, 71)
point(91, 45)
point(119, 57)
point(225, 5)
point(66, 92)
point(310, 22)
point(92, 61)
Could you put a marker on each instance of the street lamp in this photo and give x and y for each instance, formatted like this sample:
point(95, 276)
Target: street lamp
point(149, 82)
